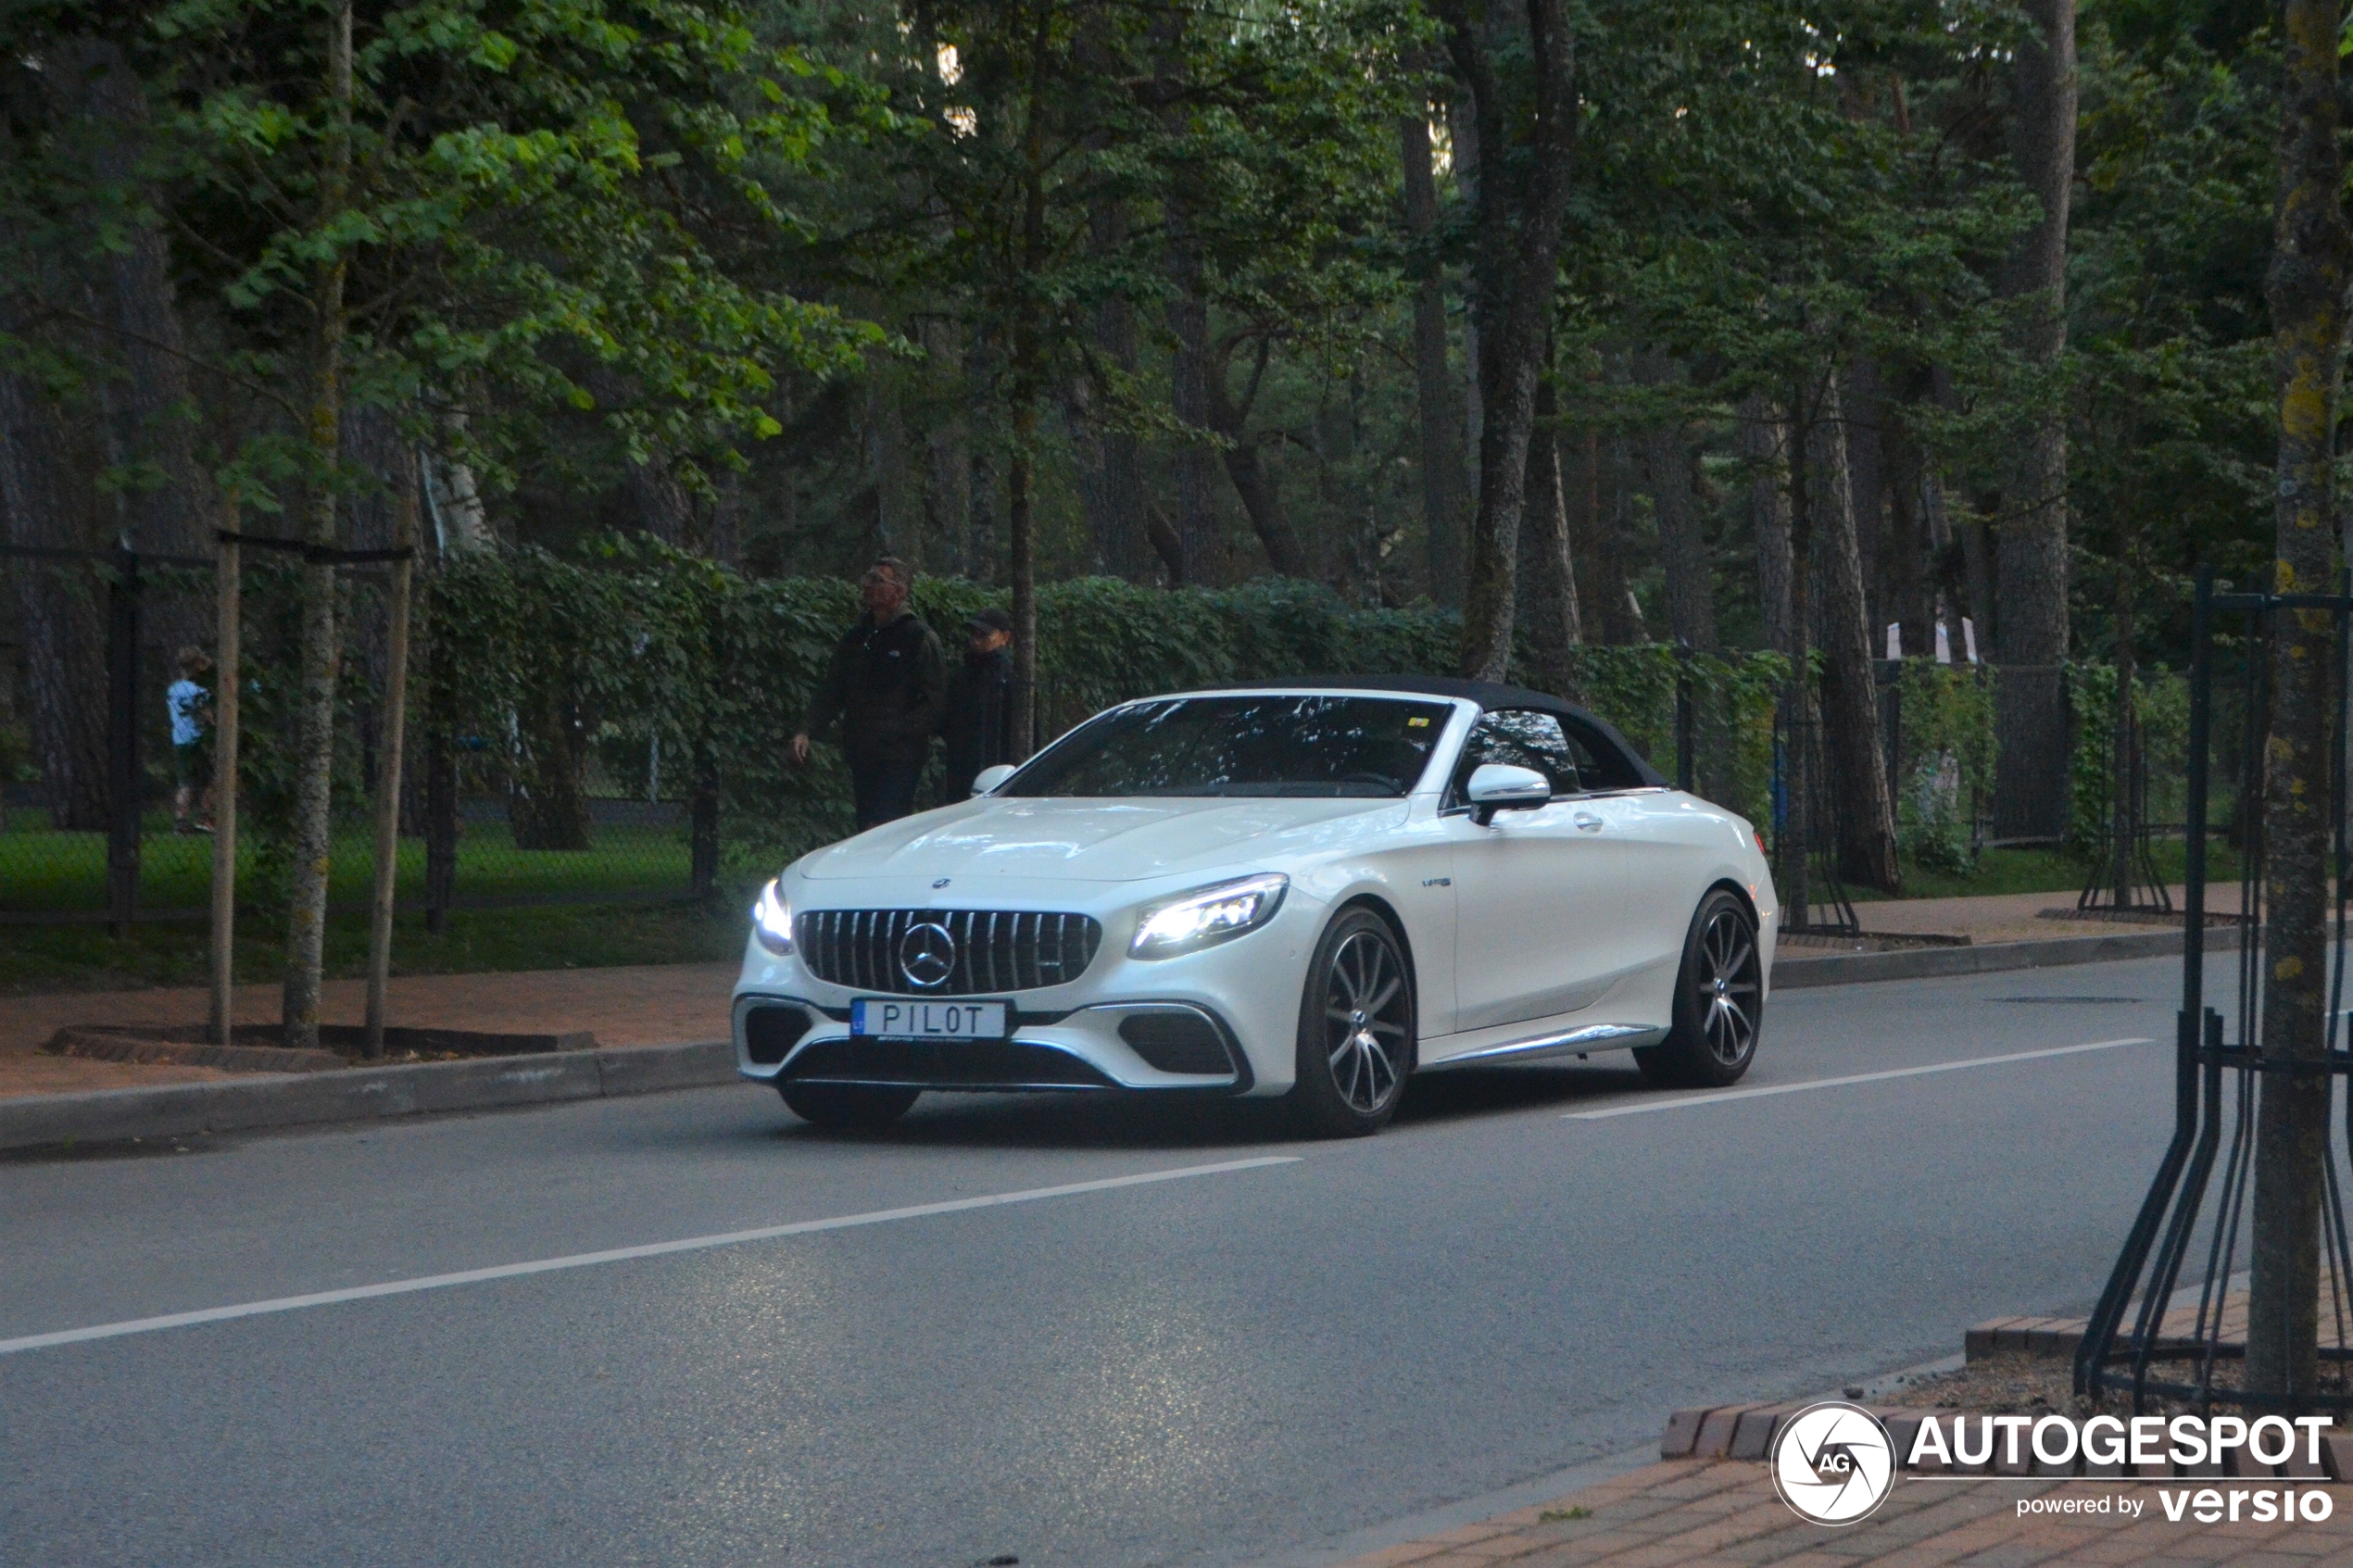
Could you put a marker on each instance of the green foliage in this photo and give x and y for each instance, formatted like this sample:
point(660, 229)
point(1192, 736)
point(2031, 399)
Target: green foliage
point(649, 642)
point(1945, 770)
point(2161, 703)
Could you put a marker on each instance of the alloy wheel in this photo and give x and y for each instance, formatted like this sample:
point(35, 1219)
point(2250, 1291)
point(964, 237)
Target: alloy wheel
point(1728, 988)
point(1366, 1021)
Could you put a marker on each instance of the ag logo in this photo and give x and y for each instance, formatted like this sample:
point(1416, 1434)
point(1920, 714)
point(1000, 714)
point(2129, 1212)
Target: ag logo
point(1832, 1462)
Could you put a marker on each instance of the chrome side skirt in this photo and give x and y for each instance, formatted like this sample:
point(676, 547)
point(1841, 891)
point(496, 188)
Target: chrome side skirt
point(1573, 1042)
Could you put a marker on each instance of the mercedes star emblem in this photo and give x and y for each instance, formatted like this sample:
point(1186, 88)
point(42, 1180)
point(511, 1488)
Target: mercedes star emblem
point(927, 956)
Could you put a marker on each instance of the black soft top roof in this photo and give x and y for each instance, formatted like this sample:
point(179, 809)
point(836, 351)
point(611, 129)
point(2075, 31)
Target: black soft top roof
point(1489, 695)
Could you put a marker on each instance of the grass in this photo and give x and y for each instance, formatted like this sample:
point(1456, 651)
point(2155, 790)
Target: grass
point(2041, 871)
point(80, 958)
point(42, 869)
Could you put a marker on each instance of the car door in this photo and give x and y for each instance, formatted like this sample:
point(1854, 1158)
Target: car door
point(1536, 891)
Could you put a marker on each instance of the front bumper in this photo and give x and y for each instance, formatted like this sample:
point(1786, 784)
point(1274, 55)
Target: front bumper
point(787, 1039)
point(1243, 993)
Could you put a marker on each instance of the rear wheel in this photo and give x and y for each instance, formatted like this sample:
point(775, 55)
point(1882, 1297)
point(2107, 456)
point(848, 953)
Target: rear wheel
point(1356, 1029)
point(848, 1108)
point(1719, 1001)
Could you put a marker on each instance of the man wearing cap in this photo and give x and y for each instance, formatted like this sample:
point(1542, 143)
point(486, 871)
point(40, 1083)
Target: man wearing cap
point(979, 726)
point(885, 683)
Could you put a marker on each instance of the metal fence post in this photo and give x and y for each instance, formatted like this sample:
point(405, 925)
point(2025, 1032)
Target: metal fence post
point(224, 794)
point(124, 795)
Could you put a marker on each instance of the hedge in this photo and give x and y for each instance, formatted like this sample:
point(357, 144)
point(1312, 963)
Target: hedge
point(532, 656)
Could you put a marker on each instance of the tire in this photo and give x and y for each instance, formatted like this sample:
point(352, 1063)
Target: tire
point(1356, 1029)
point(1719, 1001)
point(847, 1108)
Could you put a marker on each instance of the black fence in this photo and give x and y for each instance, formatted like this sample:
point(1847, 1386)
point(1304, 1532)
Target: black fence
point(104, 818)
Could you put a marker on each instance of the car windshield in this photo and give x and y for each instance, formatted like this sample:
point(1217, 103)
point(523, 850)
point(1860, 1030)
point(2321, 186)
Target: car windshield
point(1242, 746)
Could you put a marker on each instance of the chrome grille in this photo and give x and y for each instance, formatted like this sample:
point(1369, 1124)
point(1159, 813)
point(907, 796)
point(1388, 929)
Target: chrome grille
point(997, 951)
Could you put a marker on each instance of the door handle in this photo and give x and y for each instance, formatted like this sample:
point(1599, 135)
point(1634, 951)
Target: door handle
point(1586, 822)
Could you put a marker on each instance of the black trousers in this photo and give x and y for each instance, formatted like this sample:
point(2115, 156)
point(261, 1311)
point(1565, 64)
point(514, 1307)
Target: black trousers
point(883, 789)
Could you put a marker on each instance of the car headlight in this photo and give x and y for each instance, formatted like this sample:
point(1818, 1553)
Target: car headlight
point(772, 920)
point(1212, 915)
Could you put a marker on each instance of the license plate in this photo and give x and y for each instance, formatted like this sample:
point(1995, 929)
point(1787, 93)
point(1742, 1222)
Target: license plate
point(891, 1018)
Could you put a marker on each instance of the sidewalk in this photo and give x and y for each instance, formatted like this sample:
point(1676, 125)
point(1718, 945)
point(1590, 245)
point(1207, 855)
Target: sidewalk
point(1725, 1512)
point(668, 1004)
point(642, 1005)
point(2012, 916)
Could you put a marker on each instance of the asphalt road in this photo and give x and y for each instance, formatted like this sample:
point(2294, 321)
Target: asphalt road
point(1254, 1363)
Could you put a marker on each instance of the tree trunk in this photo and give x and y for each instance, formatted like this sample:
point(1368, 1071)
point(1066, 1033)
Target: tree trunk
point(1547, 572)
point(1852, 746)
point(2031, 567)
point(2311, 260)
point(1442, 446)
point(1907, 551)
point(148, 408)
point(947, 461)
point(980, 523)
point(1764, 447)
point(1118, 523)
point(2123, 747)
point(315, 701)
point(1189, 370)
point(1519, 223)
point(1028, 386)
point(1682, 543)
point(1251, 486)
point(1615, 612)
point(1801, 714)
point(57, 613)
point(1865, 401)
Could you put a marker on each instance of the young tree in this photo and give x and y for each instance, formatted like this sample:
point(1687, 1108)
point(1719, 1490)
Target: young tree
point(2312, 267)
point(416, 206)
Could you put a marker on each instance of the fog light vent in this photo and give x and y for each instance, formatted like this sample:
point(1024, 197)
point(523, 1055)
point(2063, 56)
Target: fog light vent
point(1177, 1041)
point(770, 1032)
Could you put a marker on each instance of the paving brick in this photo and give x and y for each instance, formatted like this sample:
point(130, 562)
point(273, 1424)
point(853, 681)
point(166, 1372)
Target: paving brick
point(1753, 1436)
point(1716, 1433)
point(1682, 1431)
point(1984, 1339)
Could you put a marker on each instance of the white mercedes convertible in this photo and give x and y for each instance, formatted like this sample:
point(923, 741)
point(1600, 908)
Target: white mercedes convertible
point(1313, 889)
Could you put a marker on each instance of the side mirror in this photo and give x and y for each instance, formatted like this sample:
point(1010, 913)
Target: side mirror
point(1498, 786)
point(987, 779)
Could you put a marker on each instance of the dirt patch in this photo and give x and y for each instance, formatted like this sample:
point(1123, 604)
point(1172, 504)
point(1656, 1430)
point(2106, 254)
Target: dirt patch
point(253, 1048)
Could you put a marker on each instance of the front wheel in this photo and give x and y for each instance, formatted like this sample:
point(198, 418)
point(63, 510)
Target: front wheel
point(1356, 1029)
point(1719, 1001)
point(848, 1108)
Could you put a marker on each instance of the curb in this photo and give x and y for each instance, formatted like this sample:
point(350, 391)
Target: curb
point(361, 1093)
point(368, 1094)
point(1919, 963)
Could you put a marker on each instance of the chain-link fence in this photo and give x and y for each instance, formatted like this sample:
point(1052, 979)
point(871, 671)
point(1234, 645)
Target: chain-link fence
point(105, 763)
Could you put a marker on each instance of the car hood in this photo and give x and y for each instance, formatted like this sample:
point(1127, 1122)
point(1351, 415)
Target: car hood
point(1091, 840)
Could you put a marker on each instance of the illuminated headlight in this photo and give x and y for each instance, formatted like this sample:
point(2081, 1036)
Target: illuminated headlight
point(772, 920)
point(1212, 915)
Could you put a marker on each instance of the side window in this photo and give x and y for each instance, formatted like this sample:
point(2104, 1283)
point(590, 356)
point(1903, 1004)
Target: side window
point(1600, 765)
point(1521, 737)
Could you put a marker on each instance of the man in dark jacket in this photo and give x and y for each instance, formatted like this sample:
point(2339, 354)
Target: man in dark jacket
point(979, 726)
point(885, 683)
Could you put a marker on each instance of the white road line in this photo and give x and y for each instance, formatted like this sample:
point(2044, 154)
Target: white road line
point(1672, 1103)
point(622, 1254)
